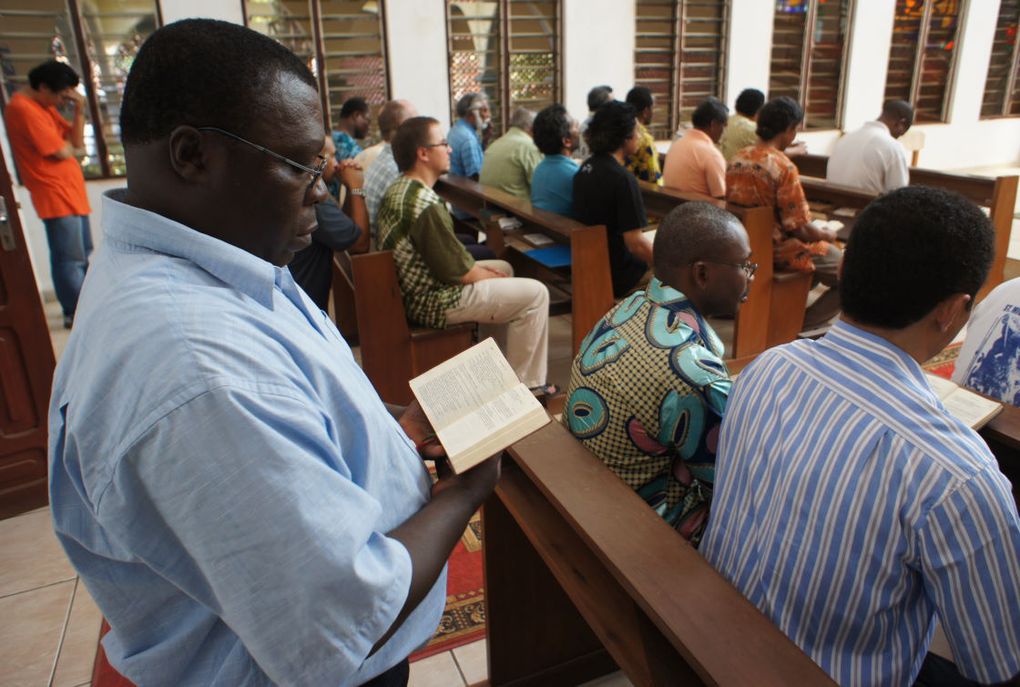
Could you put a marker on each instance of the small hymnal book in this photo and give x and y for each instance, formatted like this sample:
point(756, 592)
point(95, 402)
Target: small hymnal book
point(972, 409)
point(477, 405)
point(538, 240)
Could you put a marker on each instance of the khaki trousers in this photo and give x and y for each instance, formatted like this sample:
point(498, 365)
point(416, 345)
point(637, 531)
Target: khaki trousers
point(513, 311)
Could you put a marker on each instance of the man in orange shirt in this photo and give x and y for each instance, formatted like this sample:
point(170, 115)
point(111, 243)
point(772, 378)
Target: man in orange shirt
point(44, 146)
point(693, 163)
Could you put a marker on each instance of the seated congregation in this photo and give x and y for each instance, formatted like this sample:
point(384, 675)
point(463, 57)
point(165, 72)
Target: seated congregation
point(250, 512)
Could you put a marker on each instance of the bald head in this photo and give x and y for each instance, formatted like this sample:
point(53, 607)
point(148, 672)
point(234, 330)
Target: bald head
point(392, 115)
point(699, 249)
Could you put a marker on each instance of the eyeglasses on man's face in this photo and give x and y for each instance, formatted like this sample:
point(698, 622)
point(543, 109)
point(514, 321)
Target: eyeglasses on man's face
point(314, 172)
point(442, 144)
point(749, 267)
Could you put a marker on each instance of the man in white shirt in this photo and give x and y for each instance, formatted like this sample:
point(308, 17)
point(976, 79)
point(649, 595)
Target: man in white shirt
point(870, 158)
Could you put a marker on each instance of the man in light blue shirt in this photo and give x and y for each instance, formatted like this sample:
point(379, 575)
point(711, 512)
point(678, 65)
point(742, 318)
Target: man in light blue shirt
point(850, 506)
point(465, 135)
point(552, 184)
point(237, 499)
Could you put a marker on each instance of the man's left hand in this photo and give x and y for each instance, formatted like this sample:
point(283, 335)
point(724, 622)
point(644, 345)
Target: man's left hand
point(419, 429)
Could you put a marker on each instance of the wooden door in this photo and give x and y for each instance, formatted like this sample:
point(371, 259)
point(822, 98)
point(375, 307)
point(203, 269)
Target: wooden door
point(26, 366)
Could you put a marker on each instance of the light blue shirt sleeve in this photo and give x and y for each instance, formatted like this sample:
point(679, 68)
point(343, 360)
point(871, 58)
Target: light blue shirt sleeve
point(241, 497)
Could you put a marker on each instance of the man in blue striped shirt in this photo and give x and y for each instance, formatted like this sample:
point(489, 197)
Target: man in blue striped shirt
point(850, 507)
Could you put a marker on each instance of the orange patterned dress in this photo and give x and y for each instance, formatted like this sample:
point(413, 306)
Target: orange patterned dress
point(763, 176)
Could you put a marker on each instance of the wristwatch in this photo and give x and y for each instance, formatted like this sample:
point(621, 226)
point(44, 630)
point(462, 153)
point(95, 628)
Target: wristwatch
point(358, 192)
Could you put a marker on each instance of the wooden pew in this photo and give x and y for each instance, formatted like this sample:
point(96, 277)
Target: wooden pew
point(591, 289)
point(774, 311)
point(582, 576)
point(998, 195)
point(392, 350)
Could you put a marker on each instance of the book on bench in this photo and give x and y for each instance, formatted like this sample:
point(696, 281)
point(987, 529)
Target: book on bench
point(972, 409)
point(477, 405)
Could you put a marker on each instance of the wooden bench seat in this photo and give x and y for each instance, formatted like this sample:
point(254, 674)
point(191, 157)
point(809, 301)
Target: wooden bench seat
point(589, 285)
point(582, 576)
point(392, 350)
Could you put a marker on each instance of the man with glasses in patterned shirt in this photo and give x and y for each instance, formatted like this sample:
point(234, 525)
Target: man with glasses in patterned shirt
point(239, 502)
point(648, 387)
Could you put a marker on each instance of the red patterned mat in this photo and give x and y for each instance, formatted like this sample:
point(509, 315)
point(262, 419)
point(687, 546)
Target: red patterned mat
point(464, 618)
point(944, 364)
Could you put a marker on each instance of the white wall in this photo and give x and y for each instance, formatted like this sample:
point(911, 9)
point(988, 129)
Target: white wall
point(598, 48)
point(749, 47)
point(416, 41)
point(227, 10)
point(867, 61)
point(971, 72)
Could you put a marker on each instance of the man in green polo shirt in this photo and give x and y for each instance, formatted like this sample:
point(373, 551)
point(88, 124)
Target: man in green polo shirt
point(441, 283)
point(511, 159)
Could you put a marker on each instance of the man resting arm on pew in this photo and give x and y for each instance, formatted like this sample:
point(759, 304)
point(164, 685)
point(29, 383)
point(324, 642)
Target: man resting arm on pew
point(850, 506)
point(649, 387)
point(605, 193)
point(440, 282)
point(226, 481)
point(763, 175)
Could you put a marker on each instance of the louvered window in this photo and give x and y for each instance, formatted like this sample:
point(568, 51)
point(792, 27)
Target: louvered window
point(680, 76)
point(342, 41)
point(922, 55)
point(33, 31)
point(508, 50)
point(1002, 92)
point(809, 41)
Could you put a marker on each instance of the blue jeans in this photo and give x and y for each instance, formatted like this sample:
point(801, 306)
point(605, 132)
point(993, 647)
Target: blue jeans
point(70, 245)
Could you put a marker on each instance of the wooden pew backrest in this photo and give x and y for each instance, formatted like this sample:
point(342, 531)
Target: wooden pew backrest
point(611, 552)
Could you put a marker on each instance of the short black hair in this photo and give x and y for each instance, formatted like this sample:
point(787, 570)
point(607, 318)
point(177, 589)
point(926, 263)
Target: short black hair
point(640, 98)
point(750, 101)
point(551, 126)
point(612, 124)
point(54, 75)
point(690, 232)
point(599, 96)
point(412, 134)
point(778, 115)
point(352, 106)
point(710, 110)
point(898, 109)
point(910, 250)
point(203, 72)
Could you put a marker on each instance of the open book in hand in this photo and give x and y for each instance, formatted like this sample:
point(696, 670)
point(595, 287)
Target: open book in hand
point(477, 405)
point(972, 409)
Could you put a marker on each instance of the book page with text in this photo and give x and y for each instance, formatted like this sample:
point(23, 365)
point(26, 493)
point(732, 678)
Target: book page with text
point(463, 383)
point(488, 420)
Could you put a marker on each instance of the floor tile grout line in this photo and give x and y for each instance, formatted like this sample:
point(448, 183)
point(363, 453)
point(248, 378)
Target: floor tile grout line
point(63, 633)
point(35, 589)
point(463, 677)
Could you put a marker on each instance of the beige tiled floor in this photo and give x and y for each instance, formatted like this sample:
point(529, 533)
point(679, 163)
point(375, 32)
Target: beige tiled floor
point(50, 625)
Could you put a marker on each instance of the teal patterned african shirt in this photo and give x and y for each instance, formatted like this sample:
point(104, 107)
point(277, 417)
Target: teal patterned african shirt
point(647, 393)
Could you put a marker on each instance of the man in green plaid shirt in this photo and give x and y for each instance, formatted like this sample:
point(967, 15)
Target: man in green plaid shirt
point(441, 283)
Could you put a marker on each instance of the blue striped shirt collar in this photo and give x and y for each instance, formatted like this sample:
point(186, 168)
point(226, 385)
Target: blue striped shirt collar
point(132, 226)
point(878, 355)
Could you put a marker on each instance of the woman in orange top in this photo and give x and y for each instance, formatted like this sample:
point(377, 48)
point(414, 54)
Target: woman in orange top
point(44, 145)
point(762, 175)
